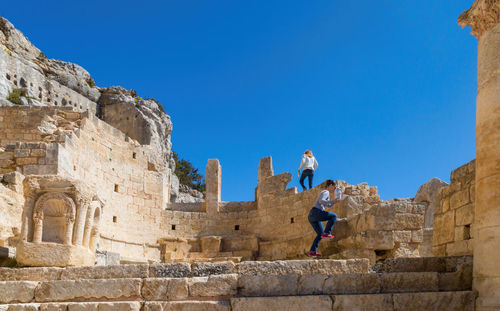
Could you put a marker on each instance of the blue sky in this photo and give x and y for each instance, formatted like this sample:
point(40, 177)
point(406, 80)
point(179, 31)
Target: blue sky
point(382, 91)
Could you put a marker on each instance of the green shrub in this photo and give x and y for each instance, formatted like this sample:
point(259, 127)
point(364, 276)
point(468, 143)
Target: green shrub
point(15, 96)
point(187, 174)
point(91, 82)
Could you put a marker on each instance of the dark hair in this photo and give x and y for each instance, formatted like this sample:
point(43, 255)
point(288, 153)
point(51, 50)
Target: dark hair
point(329, 182)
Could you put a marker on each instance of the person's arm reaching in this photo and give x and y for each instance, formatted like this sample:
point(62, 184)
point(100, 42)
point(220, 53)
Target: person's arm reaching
point(315, 164)
point(323, 199)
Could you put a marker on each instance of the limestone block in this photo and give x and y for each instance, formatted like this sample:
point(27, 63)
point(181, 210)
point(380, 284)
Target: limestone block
point(464, 215)
point(417, 236)
point(409, 282)
point(379, 239)
point(488, 289)
point(17, 291)
point(83, 306)
point(105, 272)
point(409, 221)
point(402, 236)
point(382, 217)
point(268, 285)
point(444, 228)
point(365, 283)
point(153, 306)
point(381, 302)
point(311, 284)
point(427, 191)
point(456, 281)
point(53, 254)
point(198, 305)
point(30, 274)
point(488, 59)
point(289, 303)
point(439, 250)
point(459, 248)
point(210, 244)
point(434, 301)
point(119, 306)
point(486, 252)
point(172, 270)
point(265, 168)
point(230, 244)
point(213, 285)
point(279, 267)
point(211, 268)
point(488, 200)
point(405, 250)
point(459, 198)
point(88, 290)
point(165, 289)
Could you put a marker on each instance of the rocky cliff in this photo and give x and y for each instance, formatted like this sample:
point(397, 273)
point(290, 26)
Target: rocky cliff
point(28, 77)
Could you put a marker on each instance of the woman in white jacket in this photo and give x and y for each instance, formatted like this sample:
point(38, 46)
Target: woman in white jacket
point(308, 166)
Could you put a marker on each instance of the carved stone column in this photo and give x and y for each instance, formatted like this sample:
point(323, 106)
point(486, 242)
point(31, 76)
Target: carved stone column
point(68, 234)
point(81, 215)
point(88, 227)
point(483, 17)
point(213, 182)
point(37, 228)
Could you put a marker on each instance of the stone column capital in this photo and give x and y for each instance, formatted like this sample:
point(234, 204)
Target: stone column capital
point(481, 17)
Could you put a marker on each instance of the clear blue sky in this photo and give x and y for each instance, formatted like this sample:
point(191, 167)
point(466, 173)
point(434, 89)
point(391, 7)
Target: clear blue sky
point(382, 91)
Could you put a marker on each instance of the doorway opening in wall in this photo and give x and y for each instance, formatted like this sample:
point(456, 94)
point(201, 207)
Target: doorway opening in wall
point(134, 155)
point(237, 227)
point(173, 227)
point(292, 220)
point(114, 219)
point(116, 188)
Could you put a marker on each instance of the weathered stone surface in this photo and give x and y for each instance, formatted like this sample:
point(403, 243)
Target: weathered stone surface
point(366, 283)
point(464, 215)
point(434, 301)
point(291, 303)
point(211, 268)
point(30, 274)
point(165, 289)
point(120, 306)
point(171, 270)
point(444, 228)
point(459, 280)
point(427, 191)
point(409, 221)
point(327, 266)
point(210, 244)
point(268, 285)
point(105, 272)
point(311, 284)
point(409, 282)
point(213, 285)
point(88, 290)
point(382, 302)
point(17, 291)
point(198, 305)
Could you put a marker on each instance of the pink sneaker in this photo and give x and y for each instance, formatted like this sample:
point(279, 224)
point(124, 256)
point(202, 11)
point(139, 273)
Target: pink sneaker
point(327, 236)
point(314, 254)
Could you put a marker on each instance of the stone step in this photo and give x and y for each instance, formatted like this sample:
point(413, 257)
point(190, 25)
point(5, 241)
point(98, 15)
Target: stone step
point(424, 264)
point(183, 269)
point(243, 284)
point(460, 300)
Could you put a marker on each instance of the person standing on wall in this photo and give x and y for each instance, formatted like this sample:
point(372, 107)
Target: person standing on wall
point(308, 166)
point(318, 214)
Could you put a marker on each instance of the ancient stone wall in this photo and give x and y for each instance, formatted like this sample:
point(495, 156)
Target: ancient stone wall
point(11, 208)
point(454, 214)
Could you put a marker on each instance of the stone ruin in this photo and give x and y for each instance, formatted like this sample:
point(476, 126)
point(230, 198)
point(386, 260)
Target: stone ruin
point(86, 179)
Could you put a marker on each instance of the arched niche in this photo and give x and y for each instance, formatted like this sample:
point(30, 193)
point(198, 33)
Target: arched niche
point(53, 218)
point(94, 232)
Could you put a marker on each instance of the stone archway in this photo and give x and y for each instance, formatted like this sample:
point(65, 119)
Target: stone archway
point(53, 218)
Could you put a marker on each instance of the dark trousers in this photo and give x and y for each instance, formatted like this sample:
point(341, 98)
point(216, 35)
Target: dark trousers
point(315, 217)
point(306, 173)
